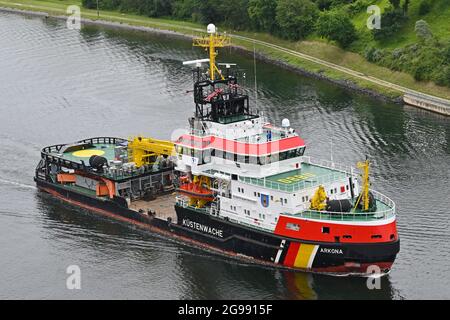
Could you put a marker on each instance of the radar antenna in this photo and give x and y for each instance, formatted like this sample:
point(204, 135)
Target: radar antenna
point(210, 43)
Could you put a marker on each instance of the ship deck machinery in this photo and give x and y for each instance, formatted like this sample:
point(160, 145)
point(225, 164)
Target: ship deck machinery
point(130, 178)
point(246, 187)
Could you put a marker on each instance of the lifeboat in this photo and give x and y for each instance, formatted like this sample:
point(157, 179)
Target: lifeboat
point(198, 191)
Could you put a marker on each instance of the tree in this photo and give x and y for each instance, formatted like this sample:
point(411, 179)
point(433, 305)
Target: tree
point(391, 22)
point(395, 3)
point(337, 27)
point(262, 14)
point(422, 30)
point(296, 18)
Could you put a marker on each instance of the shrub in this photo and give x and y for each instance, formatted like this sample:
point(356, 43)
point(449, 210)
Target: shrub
point(422, 30)
point(337, 27)
point(391, 22)
point(296, 18)
point(424, 7)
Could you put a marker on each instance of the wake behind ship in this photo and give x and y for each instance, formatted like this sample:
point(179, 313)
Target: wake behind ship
point(233, 184)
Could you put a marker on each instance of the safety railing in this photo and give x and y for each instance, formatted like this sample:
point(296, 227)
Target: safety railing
point(300, 185)
point(385, 210)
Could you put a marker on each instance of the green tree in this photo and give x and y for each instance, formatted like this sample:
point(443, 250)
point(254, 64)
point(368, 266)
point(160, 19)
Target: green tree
point(262, 14)
point(296, 18)
point(391, 22)
point(422, 30)
point(395, 3)
point(337, 27)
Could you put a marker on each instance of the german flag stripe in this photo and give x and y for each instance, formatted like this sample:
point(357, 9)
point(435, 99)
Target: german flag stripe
point(300, 255)
point(291, 254)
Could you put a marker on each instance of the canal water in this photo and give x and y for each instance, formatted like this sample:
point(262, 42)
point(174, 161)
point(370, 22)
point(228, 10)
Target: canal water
point(59, 85)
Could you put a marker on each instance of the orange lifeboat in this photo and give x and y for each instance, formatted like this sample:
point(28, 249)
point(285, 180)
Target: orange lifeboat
point(198, 191)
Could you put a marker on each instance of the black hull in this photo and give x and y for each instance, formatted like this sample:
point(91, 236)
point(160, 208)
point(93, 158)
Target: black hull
point(226, 238)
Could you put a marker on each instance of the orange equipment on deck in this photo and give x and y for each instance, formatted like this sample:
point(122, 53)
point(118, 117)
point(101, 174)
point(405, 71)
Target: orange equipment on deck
point(198, 191)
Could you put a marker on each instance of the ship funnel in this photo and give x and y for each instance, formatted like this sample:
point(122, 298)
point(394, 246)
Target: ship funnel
point(211, 28)
point(285, 123)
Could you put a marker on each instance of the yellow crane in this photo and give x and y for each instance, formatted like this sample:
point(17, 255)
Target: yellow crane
point(364, 195)
point(143, 150)
point(210, 43)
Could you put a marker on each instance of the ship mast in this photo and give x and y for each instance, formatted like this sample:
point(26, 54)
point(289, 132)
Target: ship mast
point(364, 196)
point(210, 43)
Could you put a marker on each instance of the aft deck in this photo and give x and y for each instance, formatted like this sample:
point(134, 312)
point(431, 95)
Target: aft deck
point(99, 149)
point(163, 206)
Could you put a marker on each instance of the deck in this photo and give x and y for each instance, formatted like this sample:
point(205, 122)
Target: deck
point(99, 149)
point(163, 206)
point(308, 176)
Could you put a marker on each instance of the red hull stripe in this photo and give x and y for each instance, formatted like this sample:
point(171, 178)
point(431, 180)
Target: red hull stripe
point(291, 254)
point(313, 231)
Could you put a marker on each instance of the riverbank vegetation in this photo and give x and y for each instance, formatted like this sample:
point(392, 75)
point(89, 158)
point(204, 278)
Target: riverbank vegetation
point(360, 72)
point(412, 38)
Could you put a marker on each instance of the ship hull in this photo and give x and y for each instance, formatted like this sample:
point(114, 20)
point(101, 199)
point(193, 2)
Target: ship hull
point(226, 238)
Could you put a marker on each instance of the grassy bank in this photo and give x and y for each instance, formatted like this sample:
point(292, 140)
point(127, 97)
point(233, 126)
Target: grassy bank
point(360, 68)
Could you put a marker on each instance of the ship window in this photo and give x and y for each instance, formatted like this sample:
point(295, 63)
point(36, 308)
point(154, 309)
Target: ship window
point(392, 236)
point(347, 236)
point(254, 193)
point(292, 226)
point(325, 229)
point(242, 190)
point(239, 189)
point(259, 194)
point(346, 187)
point(271, 197)
point(335, 190)
point(303, 199)
point(376, 236)
point(285, 200)
point(331, 191)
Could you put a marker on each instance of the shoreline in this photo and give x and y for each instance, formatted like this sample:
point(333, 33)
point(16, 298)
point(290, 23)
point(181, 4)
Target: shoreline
point(346, 84)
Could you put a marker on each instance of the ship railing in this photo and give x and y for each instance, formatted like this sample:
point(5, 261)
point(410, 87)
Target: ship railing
point(388, 211)
point(328, 164)
point(300, 185)
point(97, 140)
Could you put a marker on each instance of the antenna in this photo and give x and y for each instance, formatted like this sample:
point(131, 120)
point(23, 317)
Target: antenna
point(331, 149)
point(254, 67)
point(228, 66)
point(210, 43)
point(198, 62)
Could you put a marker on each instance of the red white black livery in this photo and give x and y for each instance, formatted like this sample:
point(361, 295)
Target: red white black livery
point(243, 186)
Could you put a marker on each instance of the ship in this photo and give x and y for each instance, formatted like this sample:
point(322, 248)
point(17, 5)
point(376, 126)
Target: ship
point(232, 184)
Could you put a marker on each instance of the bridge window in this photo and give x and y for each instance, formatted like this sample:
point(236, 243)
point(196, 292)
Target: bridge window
point(293, 226)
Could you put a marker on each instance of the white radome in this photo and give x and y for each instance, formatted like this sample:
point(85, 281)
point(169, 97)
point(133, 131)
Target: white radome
point(211, 28)
point(285, 123)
